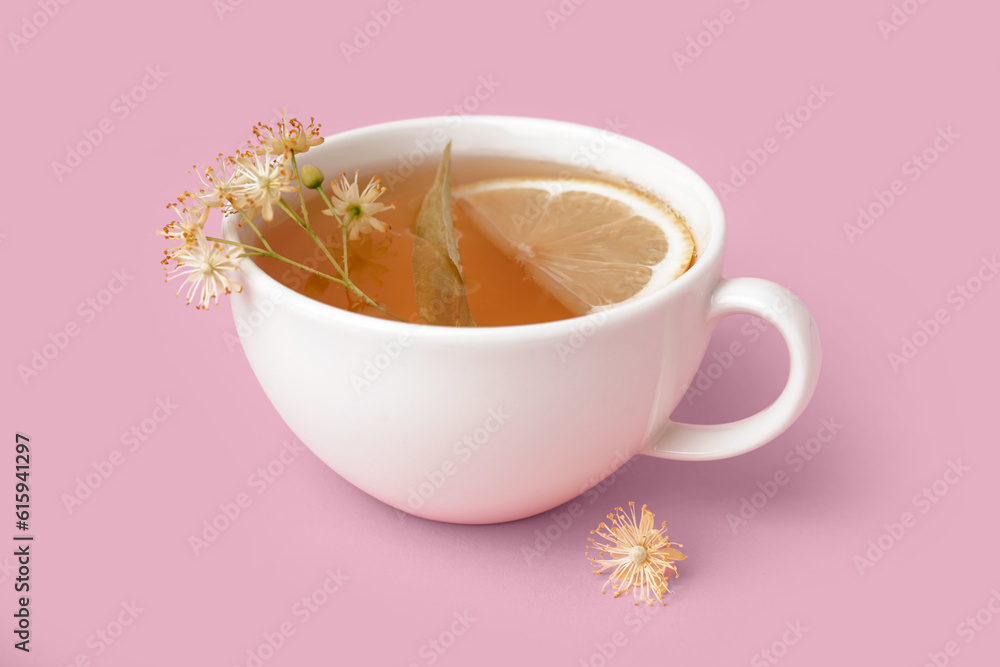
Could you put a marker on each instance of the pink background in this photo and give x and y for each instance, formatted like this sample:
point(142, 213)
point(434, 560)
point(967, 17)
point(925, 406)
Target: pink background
point(792, 564)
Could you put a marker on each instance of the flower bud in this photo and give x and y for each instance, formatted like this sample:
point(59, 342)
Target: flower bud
point(312, 177)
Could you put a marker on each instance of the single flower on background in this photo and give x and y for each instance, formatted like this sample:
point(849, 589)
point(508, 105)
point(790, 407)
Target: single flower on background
point(357, 208)
point(291, 136)
point(260, 182)
point(218, 184)
point(210, 269)
point(641, 557)
point(185, 229)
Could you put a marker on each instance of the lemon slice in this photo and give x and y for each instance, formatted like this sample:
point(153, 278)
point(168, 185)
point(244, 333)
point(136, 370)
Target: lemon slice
point(590, 244)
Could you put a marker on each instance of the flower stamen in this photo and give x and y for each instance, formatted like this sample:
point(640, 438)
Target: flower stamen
point(640, 557)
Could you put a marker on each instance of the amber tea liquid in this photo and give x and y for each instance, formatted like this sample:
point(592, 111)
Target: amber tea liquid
point(500, 292)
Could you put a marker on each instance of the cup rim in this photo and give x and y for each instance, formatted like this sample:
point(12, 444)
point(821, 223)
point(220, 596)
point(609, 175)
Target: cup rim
point(707, 257)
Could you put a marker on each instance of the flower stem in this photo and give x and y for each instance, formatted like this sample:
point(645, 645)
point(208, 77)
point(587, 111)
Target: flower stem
point(254, 228)
point(346, 281)
point(298, 184)
point(291, 213)
point(340, 222)
point(343, 240)
point(239, 245)
point(371, 302)
point(329, 205)
point(257, 252)
point(315, 237)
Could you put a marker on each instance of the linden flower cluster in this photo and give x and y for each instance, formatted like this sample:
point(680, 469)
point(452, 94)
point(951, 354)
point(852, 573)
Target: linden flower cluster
point(640, 557)
point(252, 184)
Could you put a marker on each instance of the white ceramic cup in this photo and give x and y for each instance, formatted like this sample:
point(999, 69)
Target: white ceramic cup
point(490, 424)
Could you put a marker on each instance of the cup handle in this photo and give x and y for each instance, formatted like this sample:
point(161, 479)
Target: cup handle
point(781, 308)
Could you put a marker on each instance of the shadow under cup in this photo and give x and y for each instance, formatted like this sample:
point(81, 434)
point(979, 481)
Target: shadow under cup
point(482, 425)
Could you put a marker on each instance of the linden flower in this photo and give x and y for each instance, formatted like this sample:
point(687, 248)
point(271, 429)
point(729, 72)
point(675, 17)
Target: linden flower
point(185, 229)
point(218, 184)
point(291, 137)
point(358, 209)
point(640, 555)
point(259, 184)
point(209, 268)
